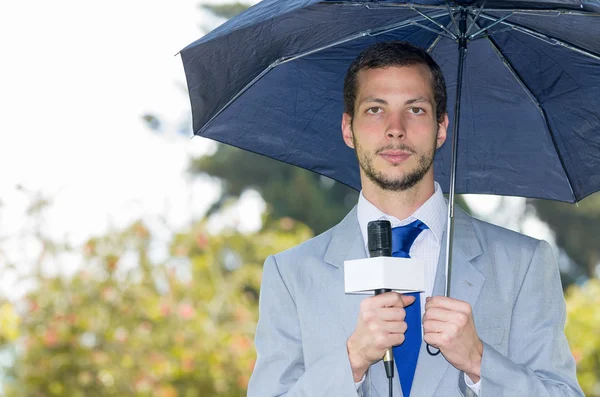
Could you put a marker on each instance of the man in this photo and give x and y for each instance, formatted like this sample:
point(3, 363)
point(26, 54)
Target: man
point(501, 331)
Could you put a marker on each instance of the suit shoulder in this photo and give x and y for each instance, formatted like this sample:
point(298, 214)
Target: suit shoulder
point(314, 247)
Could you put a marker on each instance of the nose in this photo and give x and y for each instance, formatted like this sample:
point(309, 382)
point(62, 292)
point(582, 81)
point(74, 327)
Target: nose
point(395, 127)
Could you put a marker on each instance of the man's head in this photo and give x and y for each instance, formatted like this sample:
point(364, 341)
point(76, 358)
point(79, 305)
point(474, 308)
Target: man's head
point(394, 53)
point(395, 118)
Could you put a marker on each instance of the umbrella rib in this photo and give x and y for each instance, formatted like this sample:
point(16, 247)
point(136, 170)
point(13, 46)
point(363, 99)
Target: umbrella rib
point(374, 6)
point(533, 99)
point(436, 41)
point(433, 30)
point(432, 46)
point(452, 35)
point(474, 35)
point(545, 38)
point(451, 16)
point(488, 34)
point(475, 17)
point(540, 11)
point(370, 32)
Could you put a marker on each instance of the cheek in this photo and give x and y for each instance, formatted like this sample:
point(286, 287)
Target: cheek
point(369, 126)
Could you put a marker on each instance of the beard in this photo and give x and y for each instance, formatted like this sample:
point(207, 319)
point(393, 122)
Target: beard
point(405, 182)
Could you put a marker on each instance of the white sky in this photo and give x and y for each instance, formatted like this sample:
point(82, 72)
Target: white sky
point(76, 77)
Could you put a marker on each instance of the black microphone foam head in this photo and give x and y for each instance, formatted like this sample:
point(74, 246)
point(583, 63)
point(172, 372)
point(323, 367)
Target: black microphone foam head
point(379, 235)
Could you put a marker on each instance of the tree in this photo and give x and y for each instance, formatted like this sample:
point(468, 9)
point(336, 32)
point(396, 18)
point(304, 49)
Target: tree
point(575, 228)
point(226, 10)
point(288, 191)
point(583, 333)
point(128, 323)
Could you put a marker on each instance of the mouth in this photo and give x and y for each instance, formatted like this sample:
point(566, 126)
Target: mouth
point(395, 156)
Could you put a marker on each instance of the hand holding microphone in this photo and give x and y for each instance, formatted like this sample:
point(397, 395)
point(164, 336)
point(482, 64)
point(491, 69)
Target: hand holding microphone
point(381, 322)
point(380, 326)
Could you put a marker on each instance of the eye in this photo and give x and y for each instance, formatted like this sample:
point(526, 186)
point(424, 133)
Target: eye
point(374, 110)
point(417, 110)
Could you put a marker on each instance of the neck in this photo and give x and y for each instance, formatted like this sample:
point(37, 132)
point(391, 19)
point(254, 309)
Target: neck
point(399, 204)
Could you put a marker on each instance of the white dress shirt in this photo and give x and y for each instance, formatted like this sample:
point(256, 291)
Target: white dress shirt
point(433, 213)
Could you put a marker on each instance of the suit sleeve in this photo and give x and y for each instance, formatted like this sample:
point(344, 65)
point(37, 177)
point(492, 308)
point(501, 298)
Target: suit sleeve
point(280, 369)
point(539, 361)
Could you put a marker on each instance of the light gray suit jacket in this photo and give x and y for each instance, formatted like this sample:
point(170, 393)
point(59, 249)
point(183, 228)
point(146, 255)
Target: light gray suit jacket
point(510, 280)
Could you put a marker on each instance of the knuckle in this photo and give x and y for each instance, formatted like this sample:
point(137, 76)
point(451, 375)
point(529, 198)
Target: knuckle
point(399, 339)
point(380, 341)
point(401, 314)
point(467, 307)
point(368, 315)
point(455, 329)
point(403, 326)
point(365, 305)
point(444, 339)
point(372, 326)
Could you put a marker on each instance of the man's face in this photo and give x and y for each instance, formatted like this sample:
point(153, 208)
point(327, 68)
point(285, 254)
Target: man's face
point(394, 130)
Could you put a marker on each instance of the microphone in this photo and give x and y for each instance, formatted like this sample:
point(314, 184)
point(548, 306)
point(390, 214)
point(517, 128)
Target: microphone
point(379, 241)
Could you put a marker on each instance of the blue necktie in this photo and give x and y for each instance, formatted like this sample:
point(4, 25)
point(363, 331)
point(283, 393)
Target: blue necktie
point(406, 354)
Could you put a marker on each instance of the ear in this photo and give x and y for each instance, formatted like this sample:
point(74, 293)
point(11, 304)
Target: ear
point(442, 131)
point(347, 130)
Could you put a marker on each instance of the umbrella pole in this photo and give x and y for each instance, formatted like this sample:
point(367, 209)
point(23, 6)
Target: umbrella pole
point(462, 52)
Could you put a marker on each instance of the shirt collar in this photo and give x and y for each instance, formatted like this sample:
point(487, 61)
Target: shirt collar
point(433, 213)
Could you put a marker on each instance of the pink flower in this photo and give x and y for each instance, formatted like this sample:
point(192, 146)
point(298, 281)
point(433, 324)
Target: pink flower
point(186, 311)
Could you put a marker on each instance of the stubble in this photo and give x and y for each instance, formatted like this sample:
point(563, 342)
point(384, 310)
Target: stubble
point(407, 181)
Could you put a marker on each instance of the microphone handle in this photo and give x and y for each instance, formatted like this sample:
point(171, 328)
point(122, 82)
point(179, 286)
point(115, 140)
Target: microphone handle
point(388, 357)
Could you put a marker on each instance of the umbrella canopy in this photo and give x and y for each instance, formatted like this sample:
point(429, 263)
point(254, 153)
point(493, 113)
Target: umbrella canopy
point(271, 80)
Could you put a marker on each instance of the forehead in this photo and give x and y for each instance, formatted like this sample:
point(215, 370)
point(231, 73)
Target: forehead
point(395, 80)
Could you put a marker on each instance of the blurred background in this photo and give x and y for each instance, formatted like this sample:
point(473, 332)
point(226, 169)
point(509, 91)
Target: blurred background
point(131, 253)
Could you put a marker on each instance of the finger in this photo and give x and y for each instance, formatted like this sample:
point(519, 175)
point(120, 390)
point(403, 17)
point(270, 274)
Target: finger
point(391, 314)
point(392, 299)
point(433, 326)
point(399, 327)
point(447, 303)
point(408, 300)
point(438, 314)
point(387, 327)
point(389, 299)
point(435, 339)
point(396, 339)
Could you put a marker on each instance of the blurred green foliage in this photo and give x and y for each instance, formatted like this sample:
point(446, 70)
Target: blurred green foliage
point(128, 325)
point(583, 332)
point(575, 228)
point(227, 10)
point(182, 326)
point(289, 191)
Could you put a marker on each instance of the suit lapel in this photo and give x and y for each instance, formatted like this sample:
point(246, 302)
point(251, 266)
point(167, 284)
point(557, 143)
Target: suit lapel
point(465, 284)
point(346, 244)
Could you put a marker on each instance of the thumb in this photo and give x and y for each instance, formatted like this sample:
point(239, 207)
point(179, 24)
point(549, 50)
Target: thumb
point(407, 300)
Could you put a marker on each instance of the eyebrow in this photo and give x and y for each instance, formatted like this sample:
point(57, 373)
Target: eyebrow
point(371, 99)
point(417, 100)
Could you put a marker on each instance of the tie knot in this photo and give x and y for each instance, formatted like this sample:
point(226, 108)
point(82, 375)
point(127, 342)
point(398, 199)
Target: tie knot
point(403, 238)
